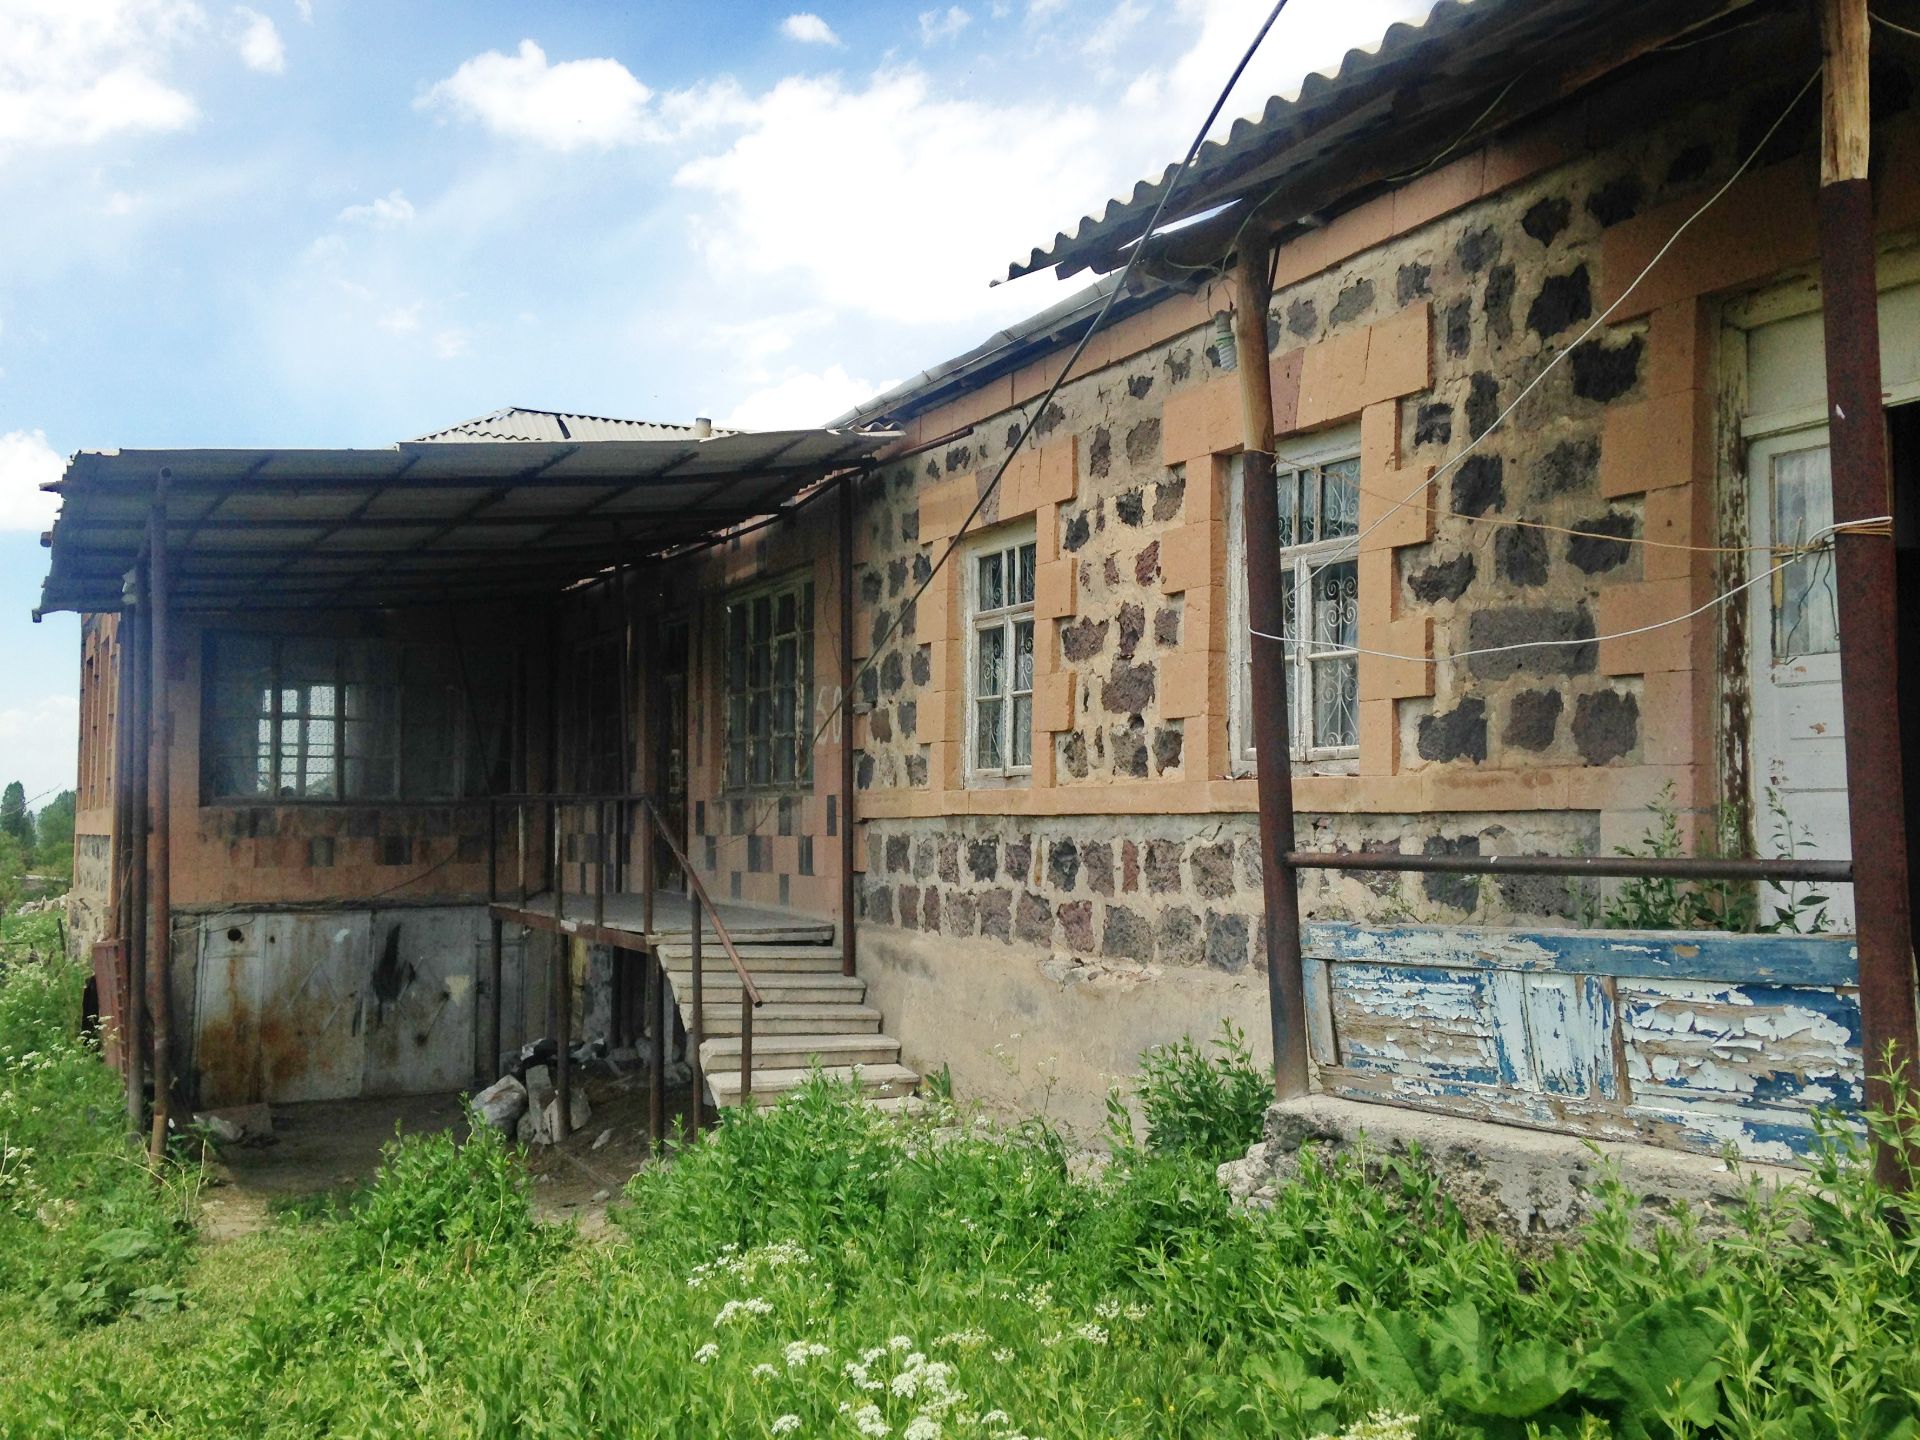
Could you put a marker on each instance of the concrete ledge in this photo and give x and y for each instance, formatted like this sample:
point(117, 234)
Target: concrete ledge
point(1527, 1185)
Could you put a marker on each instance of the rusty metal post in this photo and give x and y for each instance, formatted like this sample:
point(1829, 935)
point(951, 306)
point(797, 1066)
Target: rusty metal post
point(656, 1001)
point(1864, 565)
point(520, 854)
point(563, 989)
point(160, 802)
point(1266, 612)
point(131, 838)
point(698, 1032)
point(601, 839)
point(846, 725)
point(496, 943)
point(746, 1047)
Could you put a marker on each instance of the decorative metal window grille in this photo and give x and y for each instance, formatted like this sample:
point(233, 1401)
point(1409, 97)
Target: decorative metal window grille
point(315, 718)
point(1001, 666)
point(770, 687)
point(1319, 507)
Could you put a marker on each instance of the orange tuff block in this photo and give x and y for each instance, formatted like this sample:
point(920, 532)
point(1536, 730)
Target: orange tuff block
point(1059, 472)
point(1649, 446)
point(1659, 646)
point(1333, 378)
point(1400, 354)
point(1183, 684)
point(1053, 702)
point(1056, 589)
point(1186, 558)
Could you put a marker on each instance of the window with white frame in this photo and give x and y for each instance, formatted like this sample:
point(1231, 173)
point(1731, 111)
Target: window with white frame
point(770, 686)
point(1000, 659)
point(1318, 479)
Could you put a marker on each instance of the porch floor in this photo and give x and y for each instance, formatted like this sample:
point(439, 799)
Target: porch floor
point(623, 921)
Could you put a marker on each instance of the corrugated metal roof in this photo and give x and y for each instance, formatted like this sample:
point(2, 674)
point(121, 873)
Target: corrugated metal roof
point(420, 522)
point(521, 423)
point(1421, 89)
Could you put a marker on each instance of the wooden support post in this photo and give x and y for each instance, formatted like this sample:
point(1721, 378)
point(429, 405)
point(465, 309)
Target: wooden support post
point(129, 844)
point(1266, 613)
point(562, 991)
point(496, 943)
point(846, 725)
point(160, 803)
point(656, 1050)
point(1865, 566)
point(699, 1030)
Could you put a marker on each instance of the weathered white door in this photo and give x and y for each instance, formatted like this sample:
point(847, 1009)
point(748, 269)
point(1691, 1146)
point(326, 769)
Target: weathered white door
point(1799, 770)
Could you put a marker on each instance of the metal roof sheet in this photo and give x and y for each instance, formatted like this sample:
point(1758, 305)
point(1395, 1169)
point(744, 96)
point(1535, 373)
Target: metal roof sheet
point(520, 422)
point(419, 522)
point(1419, 94)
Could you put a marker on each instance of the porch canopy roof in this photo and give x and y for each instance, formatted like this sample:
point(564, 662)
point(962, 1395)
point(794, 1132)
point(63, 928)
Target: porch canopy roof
point(422, 522)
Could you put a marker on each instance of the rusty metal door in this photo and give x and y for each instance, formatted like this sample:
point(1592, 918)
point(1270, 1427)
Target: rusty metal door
point(277, 1012)
point(419, 1002)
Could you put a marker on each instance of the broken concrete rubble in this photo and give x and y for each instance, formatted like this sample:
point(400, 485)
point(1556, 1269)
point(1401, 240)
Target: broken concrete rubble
point(501, 1104)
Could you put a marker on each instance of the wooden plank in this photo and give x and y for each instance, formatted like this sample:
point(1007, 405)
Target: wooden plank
point(1760, 1044)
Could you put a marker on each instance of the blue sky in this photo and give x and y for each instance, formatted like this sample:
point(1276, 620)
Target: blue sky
point(345, 222)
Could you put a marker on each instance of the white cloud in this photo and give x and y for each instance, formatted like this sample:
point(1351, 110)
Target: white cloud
point(1106, 35)
point(305, 9)
point(26, 463)
point(75, 72)
point(939, 25)
point(119, 203)
point(809, 29)
point(450, 344)
point(37, 745)
point(402, 319)
point(967, 185)
point(801, 400)
point(258, 41)
point(385, 212)
point(569, 106)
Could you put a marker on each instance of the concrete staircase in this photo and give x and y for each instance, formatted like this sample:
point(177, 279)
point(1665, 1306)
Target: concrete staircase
point(812, 1015)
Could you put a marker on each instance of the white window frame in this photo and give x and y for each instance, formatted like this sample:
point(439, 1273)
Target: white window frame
point(1297, 564)
point(739, 779)
point(1005, 619)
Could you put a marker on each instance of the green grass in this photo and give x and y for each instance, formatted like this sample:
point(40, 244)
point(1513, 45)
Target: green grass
point(816, 1269)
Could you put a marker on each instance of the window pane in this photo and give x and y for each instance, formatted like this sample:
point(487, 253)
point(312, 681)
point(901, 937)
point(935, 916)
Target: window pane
point(1336, 685)
point(1336, 606)
point(986, 730)
point(1287, 487)
point(785, 660)
point(784, 608)
point(762, 618)
point(1806, 619)
point(1339, 499)
point(1024, 592)
point(1023, 655)
point(1022, 730)
point(993, 593)
point(990, 673)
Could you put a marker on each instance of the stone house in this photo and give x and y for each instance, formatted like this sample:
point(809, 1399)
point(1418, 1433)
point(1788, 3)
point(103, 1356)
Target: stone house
point(1557, 259)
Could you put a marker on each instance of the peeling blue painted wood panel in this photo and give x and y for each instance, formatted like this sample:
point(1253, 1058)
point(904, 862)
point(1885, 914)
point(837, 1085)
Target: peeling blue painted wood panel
point(1699, 1041)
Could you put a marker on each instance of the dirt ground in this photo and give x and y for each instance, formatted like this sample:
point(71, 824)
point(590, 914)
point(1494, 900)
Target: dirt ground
point(335, 1144)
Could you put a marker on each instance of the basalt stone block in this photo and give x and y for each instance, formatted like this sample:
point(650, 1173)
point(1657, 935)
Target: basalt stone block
point(1139, 385)
point(996, 914)
point(1521, 555)
point(1456, 734)
point(896, 575)
point(950, 859)
point(1130, 507)
point(1572, 649)
point(1479, 484)
point(1146, 565)
point(959, 458)
point(877, 902)
point(917, 771)
point(923, 858)
point(1478, 249)
point(1619, 199)
point(1109, 570)
point(1019, 857)
point(1483, 403)
point(880, 726)
point(1130, 750)
point(899, 856)
point(870, 585)
point(983, 858)
point(1169, 496)
point(1133, 627)
point(922, 665)
point(1126, 935)
point(1413, 281)
point(1433, 424)
point(1178, 936)
point(1690, 164)
point(1063, 865)
point(1129, 867)
point(1033, 919)
point(1050, 419)
point(1563, 302)
point(1163, 867)
point(1143, 441)
point(1073, 755)
point(1302, 318)
point(1179, 366)
point(1545, 219)
point(1096, 857)
point(907, 718)
point(1079, 531)
point(1533, 717)
point(1083, 639)
point(1498, 302)
point(1445, 580)
point(959, 913)
point(1605, 372)
point(1462, 892)
point(1353, 302)
point(1076, 925)
point(1604, 545)
point(1129, 689)
point(893, 673)
point(863, 772)
point(930, 910)
point(1606, 726)
point(1166, 625)
point(1226, 941)
point(1169, 742)
point(1213, 870)
point(1458, 328)
point(909, 907)
point(1570, 466)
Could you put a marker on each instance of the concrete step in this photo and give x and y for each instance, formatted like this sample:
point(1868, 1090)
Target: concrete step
point(784, 1052)
point(878, 1081)
point(772, 935)
point(805, 987)
point(810, 959)
point(794, 1017)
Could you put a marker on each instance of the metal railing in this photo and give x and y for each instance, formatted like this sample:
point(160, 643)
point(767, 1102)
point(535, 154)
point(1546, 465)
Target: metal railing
point(626, 826)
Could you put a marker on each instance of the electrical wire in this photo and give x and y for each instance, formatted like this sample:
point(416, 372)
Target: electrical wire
point(1534, 384)
point(1902, 29)
point(1819, 540)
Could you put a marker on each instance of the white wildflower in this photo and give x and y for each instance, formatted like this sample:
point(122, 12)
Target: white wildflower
point(996, 1417)
point(751, 1306)
point(799, 1352)
point(900, 1342)
point(1003, 1356)
point(707, 1353)
point(963, 1340)
point(922, 1427)
point(764, 1371)
point(1380, 1425)
point(1092, 1334)
point(870, 1422)
point(786, 1424)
